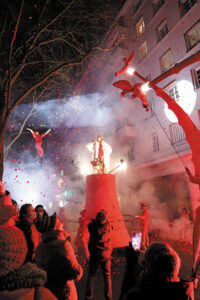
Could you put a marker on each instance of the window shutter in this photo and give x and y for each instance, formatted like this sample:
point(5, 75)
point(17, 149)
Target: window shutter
point(194, 78)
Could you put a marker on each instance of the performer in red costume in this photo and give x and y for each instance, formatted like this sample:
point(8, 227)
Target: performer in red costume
point(38, 140)
point(144, 218)
point(83, 235)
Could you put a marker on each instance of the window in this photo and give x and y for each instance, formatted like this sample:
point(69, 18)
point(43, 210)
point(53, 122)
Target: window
point(177, 133)
point(152, 107)
point(140, 26)
point(143, 51)
point(131, 154)
point(162, 30)
point(166, 61)
point(192, 37)
point(148, 76)
point(155, 142)
point(185, 5)
point(196, 78)
point(172, 90)
point(156, 4)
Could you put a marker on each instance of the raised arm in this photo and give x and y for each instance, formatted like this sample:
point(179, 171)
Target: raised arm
point(47, 132)
point(29, 129)
point(192, 178)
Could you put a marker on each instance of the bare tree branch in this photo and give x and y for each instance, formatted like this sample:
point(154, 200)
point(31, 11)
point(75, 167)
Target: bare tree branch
point(10, 53)
point(31, 47)
point(21, 129)
point(3, 28)
point(54, 71)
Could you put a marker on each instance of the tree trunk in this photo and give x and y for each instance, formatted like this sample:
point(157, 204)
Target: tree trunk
point(4, 118)
point(1, 158)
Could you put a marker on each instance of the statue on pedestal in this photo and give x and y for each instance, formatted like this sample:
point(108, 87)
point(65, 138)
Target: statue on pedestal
point(100, 155)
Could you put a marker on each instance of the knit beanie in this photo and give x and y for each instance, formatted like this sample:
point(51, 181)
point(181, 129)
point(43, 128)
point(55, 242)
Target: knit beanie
point(6, 207)
point(13, 249)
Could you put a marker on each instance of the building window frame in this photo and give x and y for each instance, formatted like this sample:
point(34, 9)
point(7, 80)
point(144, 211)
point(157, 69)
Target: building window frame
point(156, 5)
point(155, 142)
point(140, 26)
point(143, 50)
point(162, 30)
point(131, 153)
point(152, 107)
point(172, 90)
point(177, 133)
point(167, 55)
point(192, 36)
point(185, 6)
point(195, 73)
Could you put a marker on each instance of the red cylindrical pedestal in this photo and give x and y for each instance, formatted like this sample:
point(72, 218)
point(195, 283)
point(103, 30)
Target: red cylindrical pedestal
point(101, 194)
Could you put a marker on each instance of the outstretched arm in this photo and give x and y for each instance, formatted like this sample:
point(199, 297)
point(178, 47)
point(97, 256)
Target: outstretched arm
point(29, 129)
point(192, 178)
point(47, 132)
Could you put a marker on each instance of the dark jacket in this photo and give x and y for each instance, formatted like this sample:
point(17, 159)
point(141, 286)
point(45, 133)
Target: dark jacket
point(99, 242)
point(169, 290)
point(32, 237)
point(56, 256)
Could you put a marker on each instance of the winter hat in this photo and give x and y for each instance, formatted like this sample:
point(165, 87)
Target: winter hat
point(143, 204)
point(13, 249)
point(46, 223)
point(101, 215)
point(6, 207)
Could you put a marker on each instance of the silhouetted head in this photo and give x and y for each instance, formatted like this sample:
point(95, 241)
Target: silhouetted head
point(102, 216)
point(27, 211)
point(143, 205)
point(40, 211)
point(162, 263)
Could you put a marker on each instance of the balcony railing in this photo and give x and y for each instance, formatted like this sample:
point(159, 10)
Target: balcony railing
point(184, 7)
point(157, 6)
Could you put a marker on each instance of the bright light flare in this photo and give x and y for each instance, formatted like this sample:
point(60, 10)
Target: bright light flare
point(187, 99)
point(145, 87)
point(122, 166)
point(130, 71)
point(84, 170)
point(61, 203)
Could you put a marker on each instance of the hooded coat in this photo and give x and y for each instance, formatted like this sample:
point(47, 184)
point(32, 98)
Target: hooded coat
point(56, 256)
point(25, 283)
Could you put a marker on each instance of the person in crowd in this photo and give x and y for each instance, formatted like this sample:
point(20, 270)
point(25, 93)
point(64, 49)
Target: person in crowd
point(40, 211)
point(6, 207)
point(17, 280)
point(196, 237)
point(132, 270)
point(144, 218)
point(56, 256)
point(82, 237)
point(100, 249)
point(15, 211)
point(160, 276)
point(26, 218)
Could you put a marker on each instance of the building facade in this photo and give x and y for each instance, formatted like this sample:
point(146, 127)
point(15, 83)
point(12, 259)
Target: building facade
point(161, 34)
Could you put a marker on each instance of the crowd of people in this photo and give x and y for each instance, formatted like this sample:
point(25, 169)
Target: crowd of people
point(37, 260)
